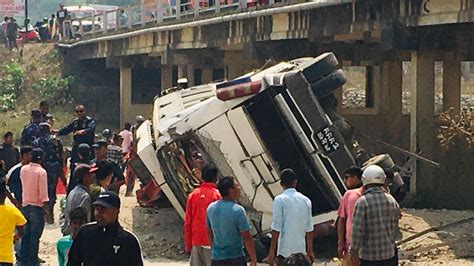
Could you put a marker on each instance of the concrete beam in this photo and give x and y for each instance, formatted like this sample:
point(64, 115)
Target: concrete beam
point(422, 124)
point(452, 82)
point(113, 62)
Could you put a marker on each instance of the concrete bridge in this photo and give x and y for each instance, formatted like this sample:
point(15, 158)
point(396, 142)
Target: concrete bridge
point(223, 41)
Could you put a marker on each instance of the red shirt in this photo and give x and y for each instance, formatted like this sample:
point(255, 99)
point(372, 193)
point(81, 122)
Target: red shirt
point(195, 220)
point(346, 211)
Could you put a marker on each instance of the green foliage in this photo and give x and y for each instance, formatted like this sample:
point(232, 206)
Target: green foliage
point(56, 90)
point(11, 83)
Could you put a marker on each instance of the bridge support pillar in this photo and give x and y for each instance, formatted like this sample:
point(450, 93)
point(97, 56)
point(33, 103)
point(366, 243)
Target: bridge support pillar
point(206, 75)
point(452, 82)
point(233, 71)
point(125, 94)
point(391, 108)
point(235, 63)
point(166, 77)
point(190, 75)
point(422, 122)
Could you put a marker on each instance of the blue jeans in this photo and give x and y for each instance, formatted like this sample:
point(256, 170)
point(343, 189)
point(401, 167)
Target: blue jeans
point(33, 230)
point(17, 248)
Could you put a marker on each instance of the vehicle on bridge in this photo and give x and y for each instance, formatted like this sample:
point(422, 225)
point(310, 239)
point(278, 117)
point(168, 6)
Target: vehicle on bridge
point(78, 13)
point(252, 128)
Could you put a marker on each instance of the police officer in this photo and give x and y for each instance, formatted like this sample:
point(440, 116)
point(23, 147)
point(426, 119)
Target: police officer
point(31, 132)
point(105, 242)
point(83, 129)
point(53, 151)
point(44, 108)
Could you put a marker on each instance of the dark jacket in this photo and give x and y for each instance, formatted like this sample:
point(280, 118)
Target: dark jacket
point(10, 155)
point(105, 246)
point(86, 123)
point(53, 150)
point(117, 171)
point(29, 134)
point(14, 182)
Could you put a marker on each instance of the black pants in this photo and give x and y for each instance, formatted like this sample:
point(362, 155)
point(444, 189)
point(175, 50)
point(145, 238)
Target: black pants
point(390, 262)
point(242, 261)
point(6, 264)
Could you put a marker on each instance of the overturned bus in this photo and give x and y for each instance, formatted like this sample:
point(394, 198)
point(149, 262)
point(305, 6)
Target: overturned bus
point(252, 128)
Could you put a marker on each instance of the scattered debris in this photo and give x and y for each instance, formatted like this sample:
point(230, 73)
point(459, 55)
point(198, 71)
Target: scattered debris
point(456, 128)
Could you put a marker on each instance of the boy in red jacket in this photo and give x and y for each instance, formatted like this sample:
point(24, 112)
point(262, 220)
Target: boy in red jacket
point(195, 235)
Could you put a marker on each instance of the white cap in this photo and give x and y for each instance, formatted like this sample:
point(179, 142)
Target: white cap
point(373, 174)
point(182, 80)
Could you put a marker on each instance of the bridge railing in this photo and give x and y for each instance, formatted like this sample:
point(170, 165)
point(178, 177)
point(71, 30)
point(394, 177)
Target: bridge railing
point(159, 11)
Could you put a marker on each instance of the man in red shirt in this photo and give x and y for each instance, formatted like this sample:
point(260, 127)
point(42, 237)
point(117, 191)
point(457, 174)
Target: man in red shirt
point(352, 180)
point(195, 235)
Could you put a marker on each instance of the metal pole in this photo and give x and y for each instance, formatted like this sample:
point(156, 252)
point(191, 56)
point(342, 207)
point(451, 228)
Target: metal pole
point(105, 22)
point(159, 10)
point(26, 15)
point(178, 9)
point(142, 12)
point(196, 8)
point(218, 6)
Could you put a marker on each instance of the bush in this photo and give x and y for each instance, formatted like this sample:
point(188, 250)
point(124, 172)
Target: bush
point(55, 89)
point(11, 84)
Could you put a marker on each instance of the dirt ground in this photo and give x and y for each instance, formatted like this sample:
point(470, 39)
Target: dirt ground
point(161, 237)
point(452, 245)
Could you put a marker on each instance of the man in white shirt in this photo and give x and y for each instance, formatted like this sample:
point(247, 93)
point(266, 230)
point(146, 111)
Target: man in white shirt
point(292, 225)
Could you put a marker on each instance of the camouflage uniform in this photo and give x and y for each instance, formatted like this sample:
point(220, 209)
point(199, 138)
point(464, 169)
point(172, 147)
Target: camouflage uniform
point(30, 134)
point(53, 150)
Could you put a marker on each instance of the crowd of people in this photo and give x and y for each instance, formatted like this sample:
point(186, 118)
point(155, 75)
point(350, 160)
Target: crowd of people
point(29, 178)
point(54, 28)
point(216, 228)
point(9, 32)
